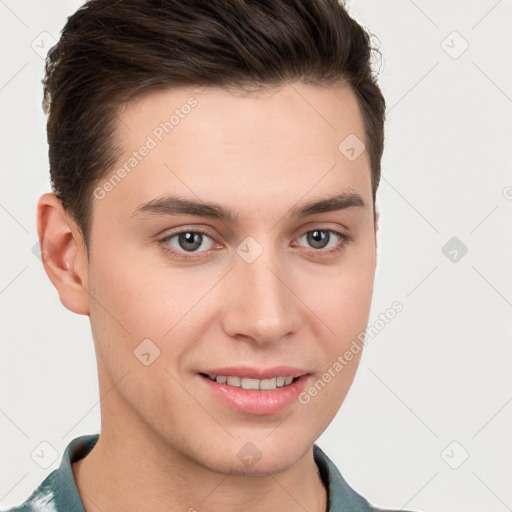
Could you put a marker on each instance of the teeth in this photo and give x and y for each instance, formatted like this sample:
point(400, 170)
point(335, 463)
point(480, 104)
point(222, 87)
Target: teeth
point(234, 381)
point(250, 383)
point(246, 383)
point(268, 383)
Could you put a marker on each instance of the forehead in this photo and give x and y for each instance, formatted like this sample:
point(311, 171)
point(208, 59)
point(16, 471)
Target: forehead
point(245, 118)
point(240, 147)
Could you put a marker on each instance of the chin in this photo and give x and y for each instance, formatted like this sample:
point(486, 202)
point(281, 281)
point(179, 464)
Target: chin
point(246, 458)
point(272, 464)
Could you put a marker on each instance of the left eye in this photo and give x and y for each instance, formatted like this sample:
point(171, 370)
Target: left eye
point(320, 238)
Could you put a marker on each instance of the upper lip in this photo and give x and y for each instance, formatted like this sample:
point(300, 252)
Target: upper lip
point(257, 373)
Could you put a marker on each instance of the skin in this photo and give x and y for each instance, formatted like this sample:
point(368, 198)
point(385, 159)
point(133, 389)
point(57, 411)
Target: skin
point(165, 442)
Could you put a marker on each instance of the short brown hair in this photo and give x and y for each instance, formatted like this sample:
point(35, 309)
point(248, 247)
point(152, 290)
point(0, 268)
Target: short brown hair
point(112, 51)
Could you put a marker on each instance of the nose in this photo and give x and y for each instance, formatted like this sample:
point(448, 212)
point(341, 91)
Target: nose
point(261, 304)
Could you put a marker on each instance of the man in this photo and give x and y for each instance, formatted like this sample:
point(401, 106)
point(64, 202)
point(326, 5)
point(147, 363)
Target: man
point(215, 168)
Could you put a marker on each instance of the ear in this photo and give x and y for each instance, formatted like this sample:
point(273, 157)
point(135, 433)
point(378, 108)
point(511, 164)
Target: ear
point(63, 253)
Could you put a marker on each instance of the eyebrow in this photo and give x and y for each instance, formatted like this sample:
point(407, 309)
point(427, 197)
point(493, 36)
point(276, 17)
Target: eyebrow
point(175, 205)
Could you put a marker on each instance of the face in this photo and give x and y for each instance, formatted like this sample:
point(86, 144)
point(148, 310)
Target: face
point(240, 243)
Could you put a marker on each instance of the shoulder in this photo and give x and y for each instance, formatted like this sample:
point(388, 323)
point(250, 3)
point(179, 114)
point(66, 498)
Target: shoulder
point(41, 499)
point(58, 492)
point(341, 496)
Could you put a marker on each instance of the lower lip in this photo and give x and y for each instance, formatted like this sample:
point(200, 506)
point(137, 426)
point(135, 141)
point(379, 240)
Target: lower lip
point(252, 401)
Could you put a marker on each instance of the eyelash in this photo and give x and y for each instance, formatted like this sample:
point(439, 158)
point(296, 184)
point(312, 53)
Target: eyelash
point(343, 239)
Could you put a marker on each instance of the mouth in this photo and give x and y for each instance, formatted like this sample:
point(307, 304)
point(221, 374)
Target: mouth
point(252, 383)
point(255, 391)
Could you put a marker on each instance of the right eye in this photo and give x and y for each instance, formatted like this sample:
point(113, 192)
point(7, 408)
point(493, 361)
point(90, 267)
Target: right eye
point(186, 243)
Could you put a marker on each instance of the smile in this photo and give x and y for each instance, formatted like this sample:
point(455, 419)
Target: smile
point(254, 384)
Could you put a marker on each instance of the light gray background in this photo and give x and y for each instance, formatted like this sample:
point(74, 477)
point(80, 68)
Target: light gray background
point(439, 372)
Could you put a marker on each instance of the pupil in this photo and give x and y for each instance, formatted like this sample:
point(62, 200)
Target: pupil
point(318, 239)
point(190, 241)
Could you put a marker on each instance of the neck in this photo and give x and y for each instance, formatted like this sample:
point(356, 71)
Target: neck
point(133, 468)
point(110, 479)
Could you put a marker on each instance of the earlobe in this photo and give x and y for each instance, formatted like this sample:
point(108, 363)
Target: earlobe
point(63, 253)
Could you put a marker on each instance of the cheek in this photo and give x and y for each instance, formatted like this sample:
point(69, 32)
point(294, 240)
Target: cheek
point(129, 283)
point(140, 300)
point(341, 294)
point(125, 301)
point(342, 300)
